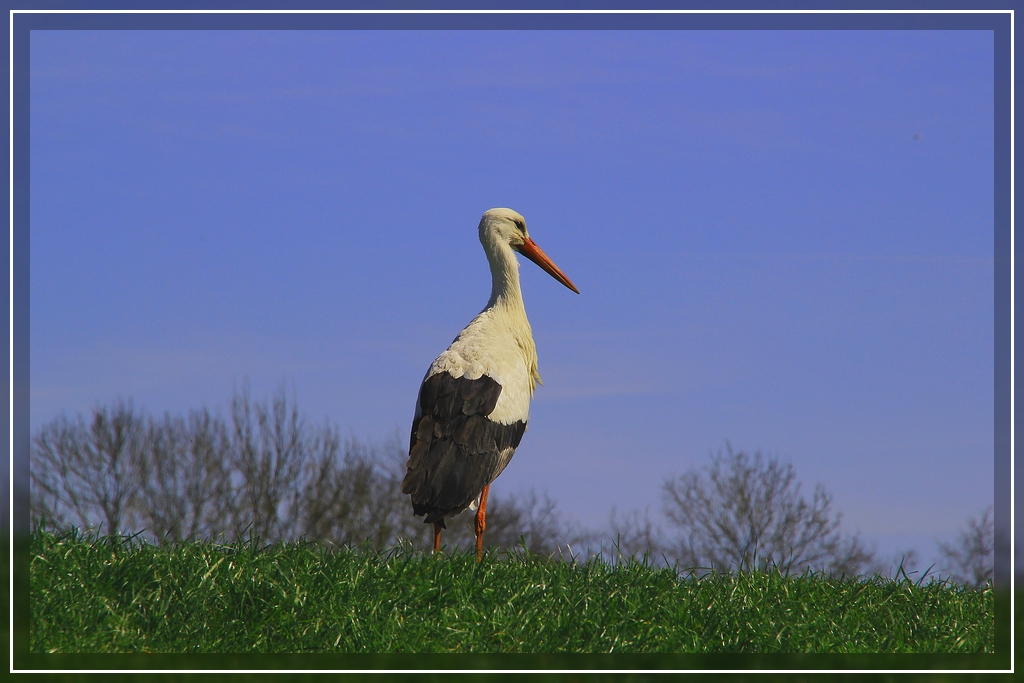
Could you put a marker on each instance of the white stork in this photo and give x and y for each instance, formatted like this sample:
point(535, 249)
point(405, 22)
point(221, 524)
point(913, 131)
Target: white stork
point(474, 402)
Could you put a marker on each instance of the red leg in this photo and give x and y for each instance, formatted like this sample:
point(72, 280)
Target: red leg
point(481, 523)
point(437, 537)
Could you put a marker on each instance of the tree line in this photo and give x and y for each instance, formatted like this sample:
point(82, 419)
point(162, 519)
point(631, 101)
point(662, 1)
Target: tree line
point(264, 472)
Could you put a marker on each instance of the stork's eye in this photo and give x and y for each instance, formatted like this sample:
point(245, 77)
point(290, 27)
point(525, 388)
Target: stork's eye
point(521, 225)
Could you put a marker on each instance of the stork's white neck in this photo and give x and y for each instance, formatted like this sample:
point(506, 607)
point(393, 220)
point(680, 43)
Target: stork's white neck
point(505, 291)
point(506, 303)
point(505, 307)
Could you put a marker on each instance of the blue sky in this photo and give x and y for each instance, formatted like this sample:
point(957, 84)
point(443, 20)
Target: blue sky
point(781, 239)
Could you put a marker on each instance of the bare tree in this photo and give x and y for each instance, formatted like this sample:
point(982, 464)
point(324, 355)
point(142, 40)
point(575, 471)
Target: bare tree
point(185, 480)
point(92, 471)
point(968, 561)
point(632, 535)
point(267, 454)
point(746, 513)
point(263, 473)
point(355, 497)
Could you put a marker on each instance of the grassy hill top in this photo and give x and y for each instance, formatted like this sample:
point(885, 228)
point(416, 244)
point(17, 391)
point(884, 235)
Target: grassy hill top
point(113, 595)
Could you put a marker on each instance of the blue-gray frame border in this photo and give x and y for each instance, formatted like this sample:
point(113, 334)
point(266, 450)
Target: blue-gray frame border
point(999, 23)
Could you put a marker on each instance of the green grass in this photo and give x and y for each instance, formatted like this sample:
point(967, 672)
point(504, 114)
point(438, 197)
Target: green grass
point(111, 595)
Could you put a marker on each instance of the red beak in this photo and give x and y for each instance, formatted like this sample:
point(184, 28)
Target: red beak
point(530, 250)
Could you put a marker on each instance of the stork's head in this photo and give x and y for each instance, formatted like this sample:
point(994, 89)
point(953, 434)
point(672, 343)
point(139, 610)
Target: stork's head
point(504, 228)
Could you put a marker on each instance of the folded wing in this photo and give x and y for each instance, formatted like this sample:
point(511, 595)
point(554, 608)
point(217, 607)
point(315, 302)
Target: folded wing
point(455, 449)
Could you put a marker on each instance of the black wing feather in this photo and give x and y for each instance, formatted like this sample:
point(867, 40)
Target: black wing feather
point(454, 449)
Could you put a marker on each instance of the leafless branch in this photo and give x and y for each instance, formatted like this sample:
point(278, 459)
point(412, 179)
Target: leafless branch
point(746, 513)
point(968, 561)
